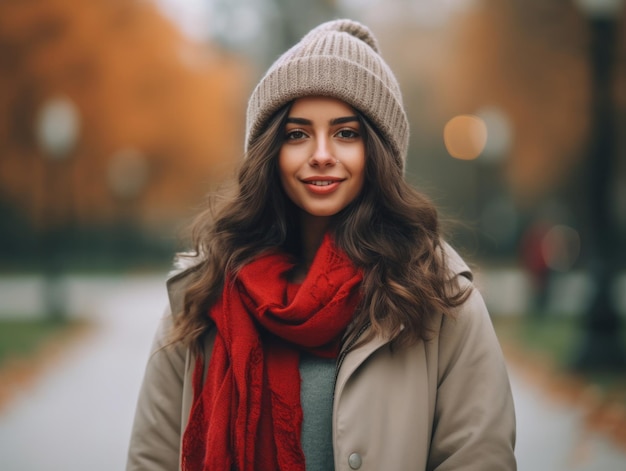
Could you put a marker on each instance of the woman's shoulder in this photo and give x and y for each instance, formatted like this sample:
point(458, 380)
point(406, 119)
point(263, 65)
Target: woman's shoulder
point(454, 263)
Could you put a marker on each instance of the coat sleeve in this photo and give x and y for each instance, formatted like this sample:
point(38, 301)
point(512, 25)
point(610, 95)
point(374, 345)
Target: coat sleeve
point(474, 422)
point(155, 436)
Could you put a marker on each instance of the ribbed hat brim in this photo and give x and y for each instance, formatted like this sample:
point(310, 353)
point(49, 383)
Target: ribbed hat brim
point(333, 63)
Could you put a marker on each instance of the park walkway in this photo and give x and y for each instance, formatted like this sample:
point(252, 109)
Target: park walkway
point(78, 412)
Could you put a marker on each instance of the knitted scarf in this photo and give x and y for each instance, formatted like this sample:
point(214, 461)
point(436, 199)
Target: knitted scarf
point(246, 415)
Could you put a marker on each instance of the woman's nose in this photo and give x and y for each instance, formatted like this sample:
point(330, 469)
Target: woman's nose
point(322, 154)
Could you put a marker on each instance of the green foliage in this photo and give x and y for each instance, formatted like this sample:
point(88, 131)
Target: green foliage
point(24, 337)
point(556, 336)
point(555, 339)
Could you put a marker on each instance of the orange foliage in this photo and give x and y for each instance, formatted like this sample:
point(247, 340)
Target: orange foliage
point(137, 84)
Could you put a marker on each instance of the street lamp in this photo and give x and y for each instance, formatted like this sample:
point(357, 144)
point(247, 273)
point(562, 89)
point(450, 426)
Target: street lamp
point(601, 346)
point(56, 128)
point(128, 174)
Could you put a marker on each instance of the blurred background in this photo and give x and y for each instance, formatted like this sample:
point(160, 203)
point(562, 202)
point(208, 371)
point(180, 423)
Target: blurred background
point(118, 116)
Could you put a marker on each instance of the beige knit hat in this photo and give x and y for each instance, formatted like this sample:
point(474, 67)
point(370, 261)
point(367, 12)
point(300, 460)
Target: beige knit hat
point(339, 59)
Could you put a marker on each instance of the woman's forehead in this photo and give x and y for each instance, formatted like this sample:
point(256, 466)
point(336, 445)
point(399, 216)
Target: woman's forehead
point(320, 104)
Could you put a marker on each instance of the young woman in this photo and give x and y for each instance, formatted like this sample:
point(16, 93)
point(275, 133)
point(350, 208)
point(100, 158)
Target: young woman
point(323, 323)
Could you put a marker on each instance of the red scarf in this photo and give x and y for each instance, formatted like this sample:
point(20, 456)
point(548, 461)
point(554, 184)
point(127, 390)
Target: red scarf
point(247, 415)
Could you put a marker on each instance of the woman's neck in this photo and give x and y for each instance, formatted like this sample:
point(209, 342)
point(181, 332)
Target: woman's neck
point(312, 232)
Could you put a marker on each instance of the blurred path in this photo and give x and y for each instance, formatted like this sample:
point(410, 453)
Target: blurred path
point(551, 435)
point(77, 416)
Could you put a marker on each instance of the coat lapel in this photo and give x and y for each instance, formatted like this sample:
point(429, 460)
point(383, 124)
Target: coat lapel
point(354, 358)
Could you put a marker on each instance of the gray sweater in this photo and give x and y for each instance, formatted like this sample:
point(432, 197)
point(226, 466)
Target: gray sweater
point(316, 396)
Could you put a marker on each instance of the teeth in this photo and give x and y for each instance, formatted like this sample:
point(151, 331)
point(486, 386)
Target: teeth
point(321, 182)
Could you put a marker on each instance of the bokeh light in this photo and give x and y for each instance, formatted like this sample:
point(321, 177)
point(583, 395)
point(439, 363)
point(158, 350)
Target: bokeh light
point(561, 247)
point(465, 137)
point(128, 173)
point(58, 126)
point(499, 133)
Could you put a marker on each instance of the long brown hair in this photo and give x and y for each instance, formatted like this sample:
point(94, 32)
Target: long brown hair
point(391, 231)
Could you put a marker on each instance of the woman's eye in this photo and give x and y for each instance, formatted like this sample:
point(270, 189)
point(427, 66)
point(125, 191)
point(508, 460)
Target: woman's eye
point(295, 135)
point(348, 134)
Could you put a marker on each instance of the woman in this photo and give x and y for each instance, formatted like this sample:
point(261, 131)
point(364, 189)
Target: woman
point(323, 323)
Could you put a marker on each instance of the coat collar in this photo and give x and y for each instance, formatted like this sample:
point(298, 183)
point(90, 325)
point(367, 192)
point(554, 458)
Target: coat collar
point(178, 279)
point(357, 355)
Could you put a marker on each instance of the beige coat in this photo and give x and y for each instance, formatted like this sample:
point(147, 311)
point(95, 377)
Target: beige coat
point(442, 405)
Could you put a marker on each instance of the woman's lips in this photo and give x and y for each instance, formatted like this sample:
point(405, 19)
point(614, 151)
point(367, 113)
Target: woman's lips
point(322, 185)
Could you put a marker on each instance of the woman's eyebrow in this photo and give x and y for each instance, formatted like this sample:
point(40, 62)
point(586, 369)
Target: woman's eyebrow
point(302, 121)
point(343, 120)
point(333, 122)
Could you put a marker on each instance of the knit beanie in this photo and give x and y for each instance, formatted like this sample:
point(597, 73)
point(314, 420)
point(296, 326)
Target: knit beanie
point(338, 59)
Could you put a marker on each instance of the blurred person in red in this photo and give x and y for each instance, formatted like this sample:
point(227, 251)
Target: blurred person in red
point(534, 261)
point(322, 322)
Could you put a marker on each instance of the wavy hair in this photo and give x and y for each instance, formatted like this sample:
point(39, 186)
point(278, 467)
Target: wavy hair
point(391, 231)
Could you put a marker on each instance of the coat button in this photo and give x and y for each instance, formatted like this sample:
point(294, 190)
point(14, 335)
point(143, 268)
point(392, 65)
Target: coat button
point(355, 461)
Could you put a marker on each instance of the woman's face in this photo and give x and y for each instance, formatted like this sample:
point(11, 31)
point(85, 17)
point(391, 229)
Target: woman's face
point(322, 160)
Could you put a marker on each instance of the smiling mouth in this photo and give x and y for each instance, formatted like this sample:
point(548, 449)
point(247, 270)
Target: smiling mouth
point(322, 181)
point(322, 185)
